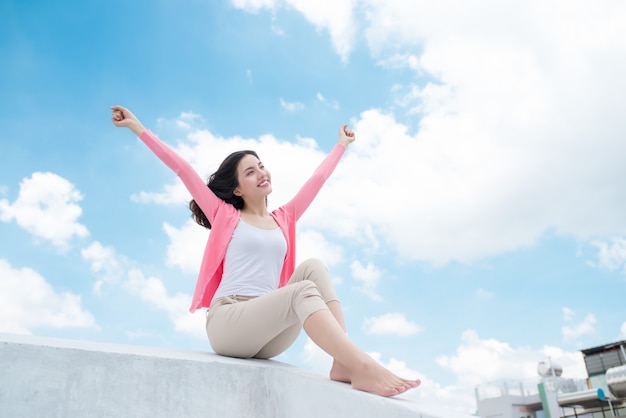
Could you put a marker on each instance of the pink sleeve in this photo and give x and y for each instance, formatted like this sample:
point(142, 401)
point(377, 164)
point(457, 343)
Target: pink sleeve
point(203, 196)
point(301, 201)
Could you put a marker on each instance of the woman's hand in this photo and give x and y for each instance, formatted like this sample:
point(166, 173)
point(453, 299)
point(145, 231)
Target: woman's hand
point(124, 118)
point(346, 135)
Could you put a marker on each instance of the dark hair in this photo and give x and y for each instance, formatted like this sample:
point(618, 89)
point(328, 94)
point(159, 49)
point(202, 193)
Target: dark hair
point(223, 183)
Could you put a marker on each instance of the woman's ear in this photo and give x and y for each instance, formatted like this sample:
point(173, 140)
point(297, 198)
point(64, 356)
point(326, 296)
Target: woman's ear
point(237, 192)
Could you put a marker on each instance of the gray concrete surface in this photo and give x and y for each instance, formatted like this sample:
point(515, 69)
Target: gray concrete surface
point(45, 377)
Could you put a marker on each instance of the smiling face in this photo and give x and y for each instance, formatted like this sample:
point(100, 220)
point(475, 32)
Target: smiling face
point(254, 179)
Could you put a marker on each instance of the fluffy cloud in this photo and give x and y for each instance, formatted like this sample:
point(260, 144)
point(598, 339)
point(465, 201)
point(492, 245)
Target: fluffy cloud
point(186, 246)
point(153, 291)
point(28, 302)
point(368, 276)
point(393, 323)
point(611, 254)
point(500, 93)
point(455, 190)
point(253, 5)
point(334, 16)
point(173, 194)
point(107, 265)
point(291, 106)
point(47, 208)
point(115, 269)
point(333, 104)
point(479, 361)
point(312, 244)
point(573, 331)
point(517, 114)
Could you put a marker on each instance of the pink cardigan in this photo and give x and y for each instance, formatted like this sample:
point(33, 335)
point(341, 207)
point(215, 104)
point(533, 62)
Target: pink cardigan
point(223, 216)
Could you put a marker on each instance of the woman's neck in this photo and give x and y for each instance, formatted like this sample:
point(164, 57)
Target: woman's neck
point(258, 209)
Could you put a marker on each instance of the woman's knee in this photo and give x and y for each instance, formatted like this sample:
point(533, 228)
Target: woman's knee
point(307, 288)
point(313, 269)
point(307, 299)
point(314, 264)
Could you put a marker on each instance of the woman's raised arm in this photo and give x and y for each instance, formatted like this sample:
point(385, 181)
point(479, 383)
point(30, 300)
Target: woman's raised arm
point(204, 197)
point(301, 201)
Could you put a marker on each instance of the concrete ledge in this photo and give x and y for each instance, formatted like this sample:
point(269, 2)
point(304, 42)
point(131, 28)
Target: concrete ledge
point(44, 377)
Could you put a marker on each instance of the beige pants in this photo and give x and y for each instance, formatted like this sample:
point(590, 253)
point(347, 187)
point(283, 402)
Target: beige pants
point(265, 326)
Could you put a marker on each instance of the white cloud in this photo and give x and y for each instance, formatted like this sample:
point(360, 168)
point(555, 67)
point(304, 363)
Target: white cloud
point(623, 331)
point(115, 269)
point(368, 276)
point(153, 291)
point(514, 135)
point(187, 120)
point(47, 208)
point(445, 198)
point(312, 244)
point(332, 104)
point(518, 128)
point(479, 361)
point(611, 255)
point(573, 332)
point(253, 6)
point(28, 302)
point(393, 323)
point(186, 245)
point(105, 263)
point(568, 314)
point(173, 194)
point(291, 106)
point(276, 29)
point(335, 16)
point(515, 131)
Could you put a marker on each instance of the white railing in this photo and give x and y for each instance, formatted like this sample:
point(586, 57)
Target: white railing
point(528, 387)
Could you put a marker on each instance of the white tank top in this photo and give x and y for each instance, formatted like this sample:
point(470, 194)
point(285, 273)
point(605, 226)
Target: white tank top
point(253, 262)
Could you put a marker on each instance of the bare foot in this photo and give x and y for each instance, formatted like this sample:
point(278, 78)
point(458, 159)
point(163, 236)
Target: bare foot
point(374, 378)
point(339, 373)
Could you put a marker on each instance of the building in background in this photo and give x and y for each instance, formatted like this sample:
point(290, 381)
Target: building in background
point(602, 394)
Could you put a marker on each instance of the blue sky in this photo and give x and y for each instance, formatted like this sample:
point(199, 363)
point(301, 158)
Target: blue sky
point(475, 228)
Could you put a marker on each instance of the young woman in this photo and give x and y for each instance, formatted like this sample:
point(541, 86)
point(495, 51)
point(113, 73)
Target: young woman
point(258, 299)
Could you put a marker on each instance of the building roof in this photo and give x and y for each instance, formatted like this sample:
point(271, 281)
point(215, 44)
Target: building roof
point(603, 348)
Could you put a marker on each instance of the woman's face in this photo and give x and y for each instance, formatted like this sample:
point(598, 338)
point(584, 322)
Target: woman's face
point(253, 178)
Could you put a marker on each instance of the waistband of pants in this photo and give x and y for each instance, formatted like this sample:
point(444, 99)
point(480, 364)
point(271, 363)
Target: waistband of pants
point(227, 300)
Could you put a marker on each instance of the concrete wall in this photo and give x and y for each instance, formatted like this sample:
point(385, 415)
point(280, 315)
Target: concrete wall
point(43, 377)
